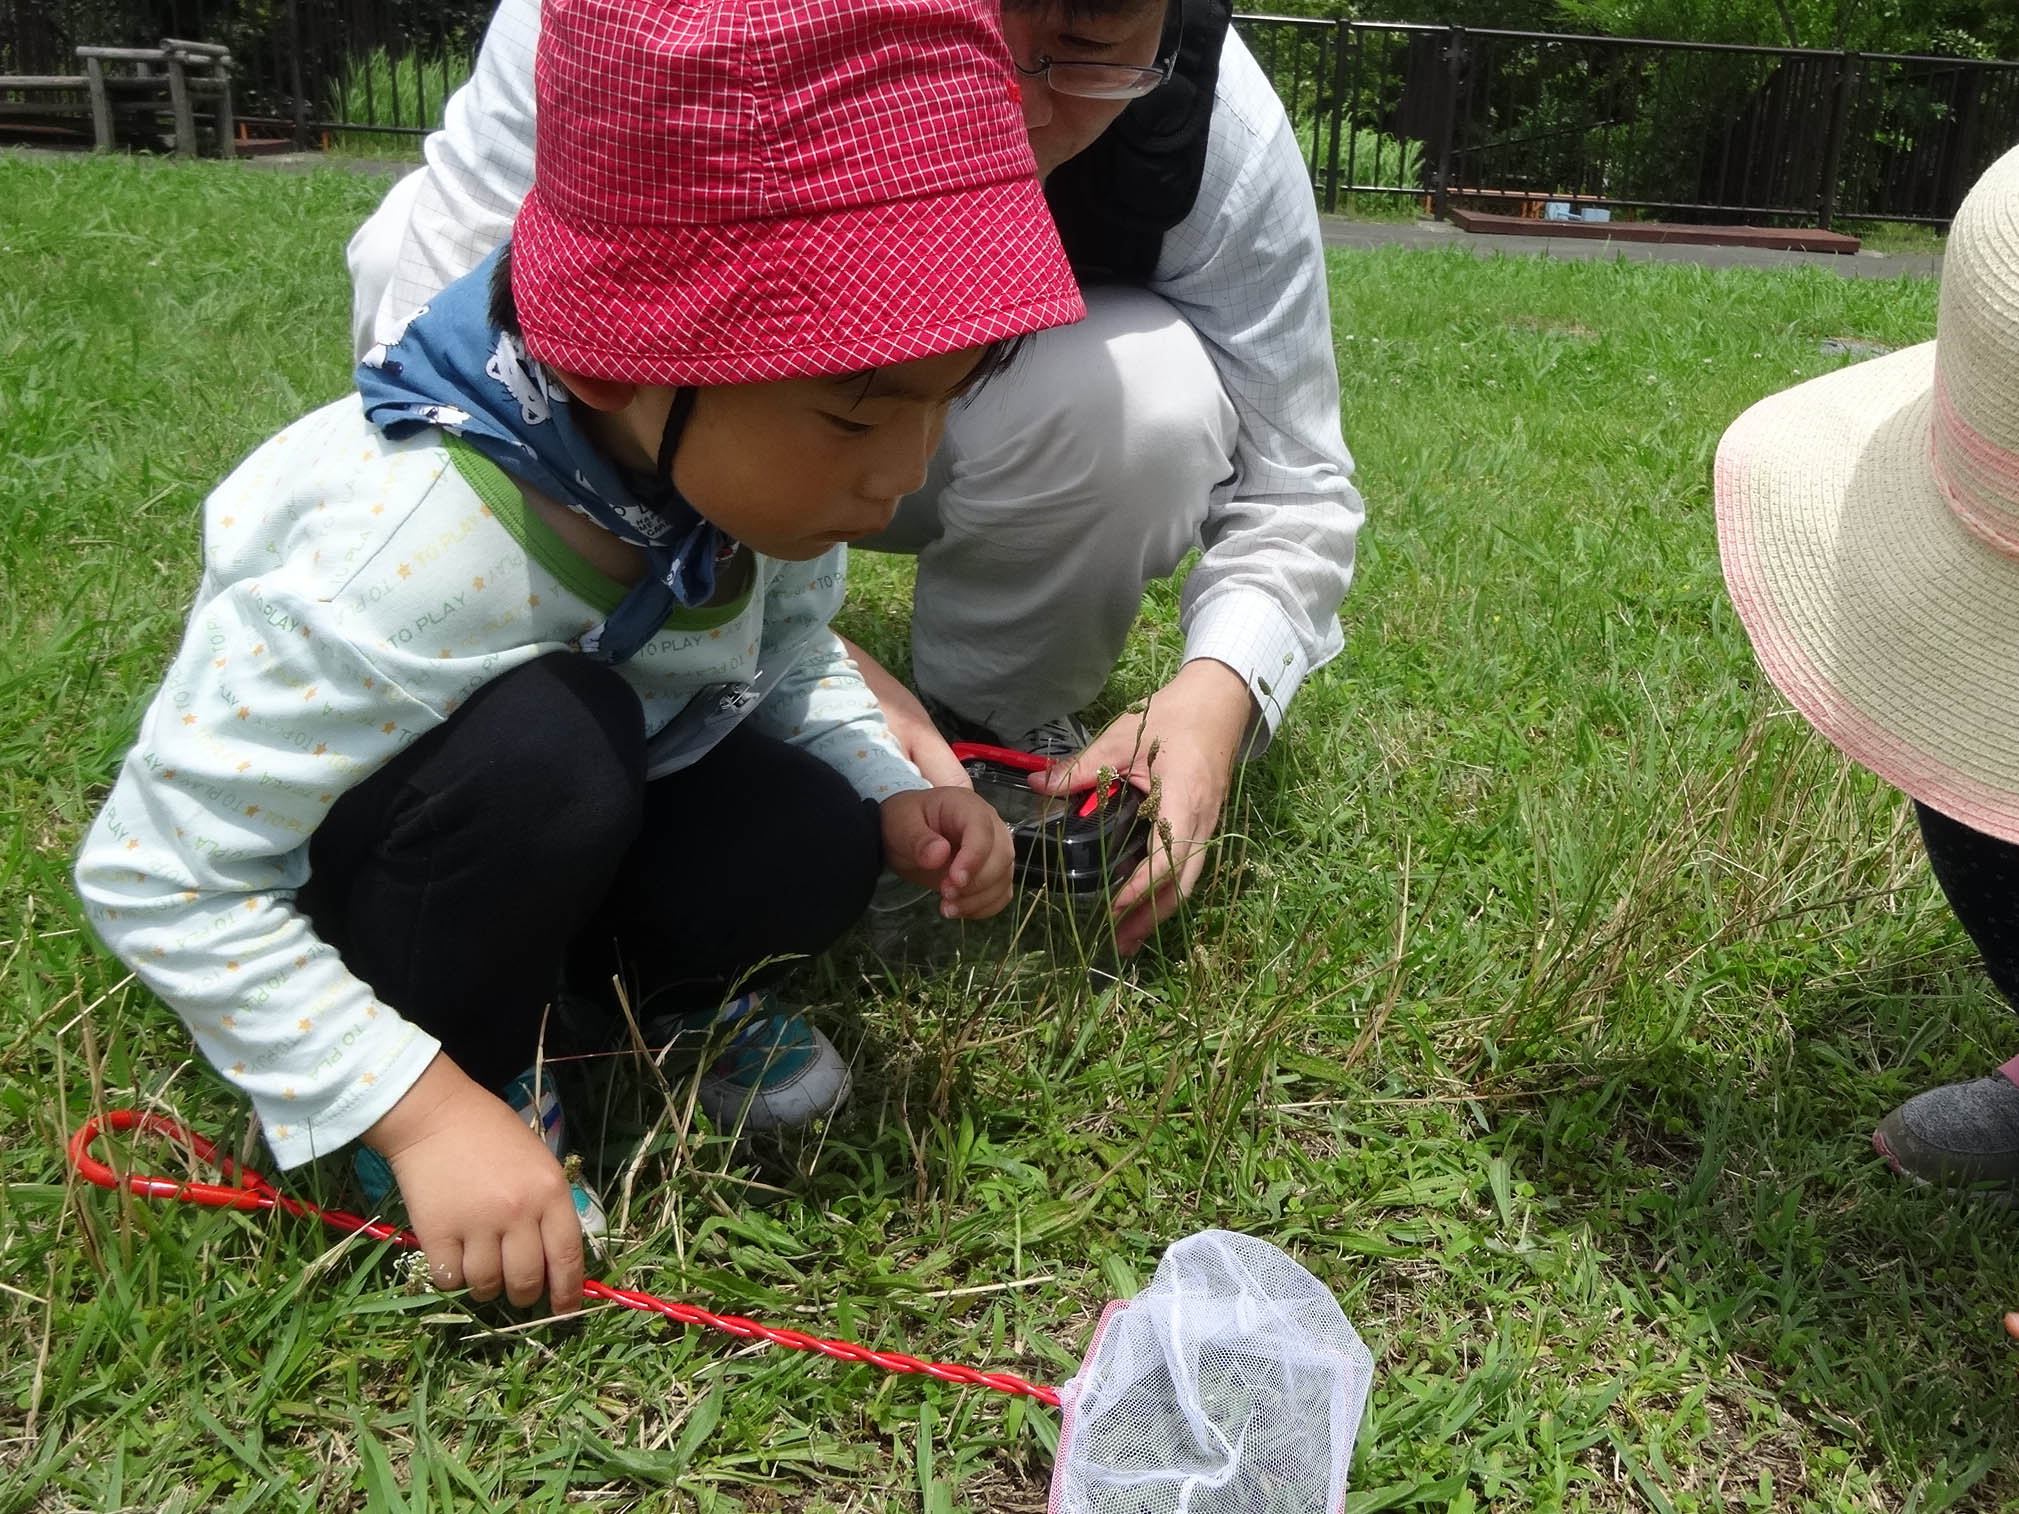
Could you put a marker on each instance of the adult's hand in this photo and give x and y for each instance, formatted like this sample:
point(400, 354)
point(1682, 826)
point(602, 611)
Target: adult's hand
point(1183, 743)
point(909, 723)
point(2012, 1325)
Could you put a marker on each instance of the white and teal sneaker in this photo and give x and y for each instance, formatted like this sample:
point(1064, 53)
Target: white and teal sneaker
point(770, 1069)
point(531, 1096)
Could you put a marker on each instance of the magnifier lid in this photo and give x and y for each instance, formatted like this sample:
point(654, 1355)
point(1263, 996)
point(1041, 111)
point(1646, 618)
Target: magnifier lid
point(1084, 842)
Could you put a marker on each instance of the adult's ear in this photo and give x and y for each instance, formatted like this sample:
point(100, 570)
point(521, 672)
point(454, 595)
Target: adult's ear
point(597, 394)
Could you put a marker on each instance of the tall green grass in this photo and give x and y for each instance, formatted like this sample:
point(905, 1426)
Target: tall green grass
point(1547, 983)
point(380, 88)
point(1367, 157)
point(1370, 157)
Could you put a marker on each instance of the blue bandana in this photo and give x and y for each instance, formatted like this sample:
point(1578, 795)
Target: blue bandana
point(453, 369)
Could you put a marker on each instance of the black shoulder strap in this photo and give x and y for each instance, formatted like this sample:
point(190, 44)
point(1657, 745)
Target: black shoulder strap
point(1114, 201)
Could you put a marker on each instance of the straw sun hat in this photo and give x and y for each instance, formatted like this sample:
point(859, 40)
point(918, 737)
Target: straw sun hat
point(1869, 525)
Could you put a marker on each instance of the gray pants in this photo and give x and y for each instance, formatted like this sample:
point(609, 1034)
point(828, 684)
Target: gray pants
point(1060, 491)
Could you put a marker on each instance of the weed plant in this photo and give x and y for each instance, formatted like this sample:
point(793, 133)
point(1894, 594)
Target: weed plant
point(1547, 981)
point(380, 89)
point(1370, 157)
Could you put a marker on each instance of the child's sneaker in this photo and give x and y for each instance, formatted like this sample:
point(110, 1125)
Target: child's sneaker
point(1960, 1136)
point(776, 1072)
point(543, 1113)
point(375, 1176)
point(532, 1097)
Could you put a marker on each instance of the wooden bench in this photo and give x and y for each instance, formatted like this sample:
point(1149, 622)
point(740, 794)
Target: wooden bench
point(190, 73)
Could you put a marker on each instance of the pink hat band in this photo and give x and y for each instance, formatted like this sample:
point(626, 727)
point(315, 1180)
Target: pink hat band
point(1979, 478)
point(1974, 421)
point(733, 191)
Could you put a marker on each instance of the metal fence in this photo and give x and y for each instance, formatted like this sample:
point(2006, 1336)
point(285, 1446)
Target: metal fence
point(303, 69)
point(1382, 109)
point(1692, 130)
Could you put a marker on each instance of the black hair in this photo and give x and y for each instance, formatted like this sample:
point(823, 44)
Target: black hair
point(504, 309)
point(996, 358)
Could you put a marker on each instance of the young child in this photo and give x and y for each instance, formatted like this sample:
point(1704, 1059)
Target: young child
point(522, 655)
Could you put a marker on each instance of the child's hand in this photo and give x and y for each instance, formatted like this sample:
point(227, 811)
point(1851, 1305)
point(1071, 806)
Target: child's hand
point(488, 1202)
point(951, 840)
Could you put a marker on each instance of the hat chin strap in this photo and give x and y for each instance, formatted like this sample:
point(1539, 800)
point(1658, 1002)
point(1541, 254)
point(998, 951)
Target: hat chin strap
point(664, 490)
point(676, 423)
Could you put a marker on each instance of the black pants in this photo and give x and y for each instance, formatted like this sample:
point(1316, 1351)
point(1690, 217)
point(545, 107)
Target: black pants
point(1979, 875)
point(520, 838)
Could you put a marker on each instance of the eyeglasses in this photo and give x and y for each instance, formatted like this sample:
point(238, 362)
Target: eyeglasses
point(1114, 81)
point(1098, 81)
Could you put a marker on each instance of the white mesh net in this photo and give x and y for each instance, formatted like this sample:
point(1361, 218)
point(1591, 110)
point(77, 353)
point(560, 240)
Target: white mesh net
point(1232, 1384)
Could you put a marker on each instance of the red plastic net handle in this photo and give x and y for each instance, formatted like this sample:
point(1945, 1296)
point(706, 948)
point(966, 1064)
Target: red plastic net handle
point(249, 1190)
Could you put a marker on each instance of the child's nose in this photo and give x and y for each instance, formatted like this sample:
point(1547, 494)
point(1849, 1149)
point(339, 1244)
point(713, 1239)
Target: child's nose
point(900, 467)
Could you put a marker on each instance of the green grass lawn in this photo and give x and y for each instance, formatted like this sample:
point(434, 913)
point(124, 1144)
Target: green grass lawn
point(1551, 980)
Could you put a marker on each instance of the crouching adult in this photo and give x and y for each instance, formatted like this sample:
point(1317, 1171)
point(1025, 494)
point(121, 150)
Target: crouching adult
point(1196, 406)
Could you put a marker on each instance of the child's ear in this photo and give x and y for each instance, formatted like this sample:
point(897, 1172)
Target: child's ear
point(597, 394)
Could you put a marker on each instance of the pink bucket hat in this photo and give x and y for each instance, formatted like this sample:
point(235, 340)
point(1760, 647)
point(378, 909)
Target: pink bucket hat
point(732, 191)
point(1869, 524)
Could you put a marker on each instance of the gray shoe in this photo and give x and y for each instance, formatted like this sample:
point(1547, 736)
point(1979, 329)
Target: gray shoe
point(1054, 740)
point(770, 1069)
point(1962, 1136)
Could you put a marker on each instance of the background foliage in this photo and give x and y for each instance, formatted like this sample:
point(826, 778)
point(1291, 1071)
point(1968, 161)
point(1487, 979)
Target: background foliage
point(1960, 28)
